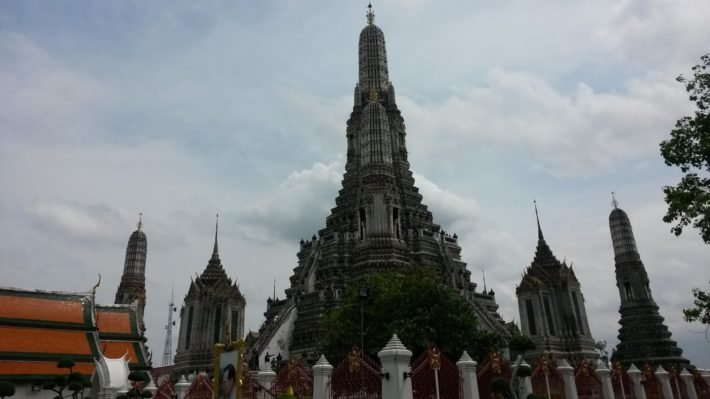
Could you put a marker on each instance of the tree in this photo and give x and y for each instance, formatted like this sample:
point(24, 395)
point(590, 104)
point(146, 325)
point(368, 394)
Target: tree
point(700, 311)
point(413, 304)
point(689, 149)
point(74, 382)
point(138, 380)
point(7, 389)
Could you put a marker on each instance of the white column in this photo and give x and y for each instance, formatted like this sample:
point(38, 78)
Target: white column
point(689, 386)
point(467, 367)
point(321, 375)
point(526, 385)
point(635, 375)
point(181, 387)
point(567, 373)
point(395, 361)
point(662, 376)
point(265, 378)
point(605, 376)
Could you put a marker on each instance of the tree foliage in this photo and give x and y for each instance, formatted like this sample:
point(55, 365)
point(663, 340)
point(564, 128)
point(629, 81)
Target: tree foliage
point(71, 385)
point(689, 149)
point(416, 306)
point(700, 311)
point(7, 389)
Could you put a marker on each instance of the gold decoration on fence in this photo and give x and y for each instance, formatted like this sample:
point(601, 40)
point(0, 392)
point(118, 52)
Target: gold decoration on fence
point(496, 363)
point(434, 357)
point(354, 359)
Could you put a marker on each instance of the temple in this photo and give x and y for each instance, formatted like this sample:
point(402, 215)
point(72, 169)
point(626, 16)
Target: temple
point(379, 222)
point(551, 304)
point(643, 335)
point(132, 286)
point(213, 310)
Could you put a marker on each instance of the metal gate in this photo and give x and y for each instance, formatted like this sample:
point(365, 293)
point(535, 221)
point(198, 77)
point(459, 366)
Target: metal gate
point(492, 368)
point(620, 381)
point(356, 377)
point(435, 377)
point(293, 378)
point(651, 385)
point(546, 380)
point(589, 386)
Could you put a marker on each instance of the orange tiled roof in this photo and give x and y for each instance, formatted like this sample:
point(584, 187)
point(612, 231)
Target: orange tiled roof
point(69, 310)
point(114, 322)
point(42, 340)
point(114, 349)
point(25, 368)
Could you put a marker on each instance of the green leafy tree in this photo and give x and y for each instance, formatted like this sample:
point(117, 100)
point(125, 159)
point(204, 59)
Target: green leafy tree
point(71, 385)
point(138, 380)
point(700, 311)
point(689, 149)
point(7, 389)
point(415, 305)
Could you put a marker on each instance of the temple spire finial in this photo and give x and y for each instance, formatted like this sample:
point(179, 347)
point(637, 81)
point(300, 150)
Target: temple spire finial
point(539, 230)
point(140, 221)
point(216, 231)
point(370, 14)
point(614, 202)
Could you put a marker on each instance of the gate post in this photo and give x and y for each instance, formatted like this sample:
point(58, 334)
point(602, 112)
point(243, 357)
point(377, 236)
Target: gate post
point(265, 378)
point(469, 382)
point(689, 385)
point(321, 375)
point(662, 376)
point(605, 376)
point(635, 374)
point(395, 359)
point(526, 385)
point(567, 373)
point(181, 387)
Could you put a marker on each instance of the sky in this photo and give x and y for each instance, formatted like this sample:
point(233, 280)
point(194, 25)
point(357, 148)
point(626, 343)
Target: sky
point(184, 109)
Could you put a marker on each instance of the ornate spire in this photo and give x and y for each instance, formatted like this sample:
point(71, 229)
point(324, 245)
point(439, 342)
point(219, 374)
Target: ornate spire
point(373, 72)
point(614, 202)
point(539, 230)
point(140, 221)
point(215, 251)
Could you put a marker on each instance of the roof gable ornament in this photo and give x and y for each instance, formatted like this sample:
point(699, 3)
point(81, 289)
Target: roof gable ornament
point(370, 14)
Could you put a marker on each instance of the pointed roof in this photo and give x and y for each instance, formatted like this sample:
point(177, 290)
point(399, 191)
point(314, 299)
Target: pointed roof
point(545, 267)
point(214, 270)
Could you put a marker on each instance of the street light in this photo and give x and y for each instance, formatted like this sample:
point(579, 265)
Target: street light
point(362, 296)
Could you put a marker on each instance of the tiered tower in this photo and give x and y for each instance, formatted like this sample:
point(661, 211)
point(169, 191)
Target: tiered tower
point(213, 308)
point(552, 308)
point(643, 336)
point(132, 286)
point(379, 221)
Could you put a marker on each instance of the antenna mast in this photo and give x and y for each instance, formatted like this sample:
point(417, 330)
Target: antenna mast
point(168, 348)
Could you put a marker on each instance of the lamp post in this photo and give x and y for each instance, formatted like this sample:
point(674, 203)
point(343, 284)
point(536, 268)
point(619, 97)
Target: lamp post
point(362, 296)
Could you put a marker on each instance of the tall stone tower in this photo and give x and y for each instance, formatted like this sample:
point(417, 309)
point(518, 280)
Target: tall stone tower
point(379, 221)
point(552, 308)
point(213, 307)
point(643, 337)
point(132, 286)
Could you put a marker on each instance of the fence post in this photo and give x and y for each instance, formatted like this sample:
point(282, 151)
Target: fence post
point(635, 374)
point(469, 382)
point(662, 376)
point(526, 385)
point(689, 385)
point(265, 378)
point(321, 374)
point(605, 376)
point(181, 387)
point(395, 359)
point(567, 373)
